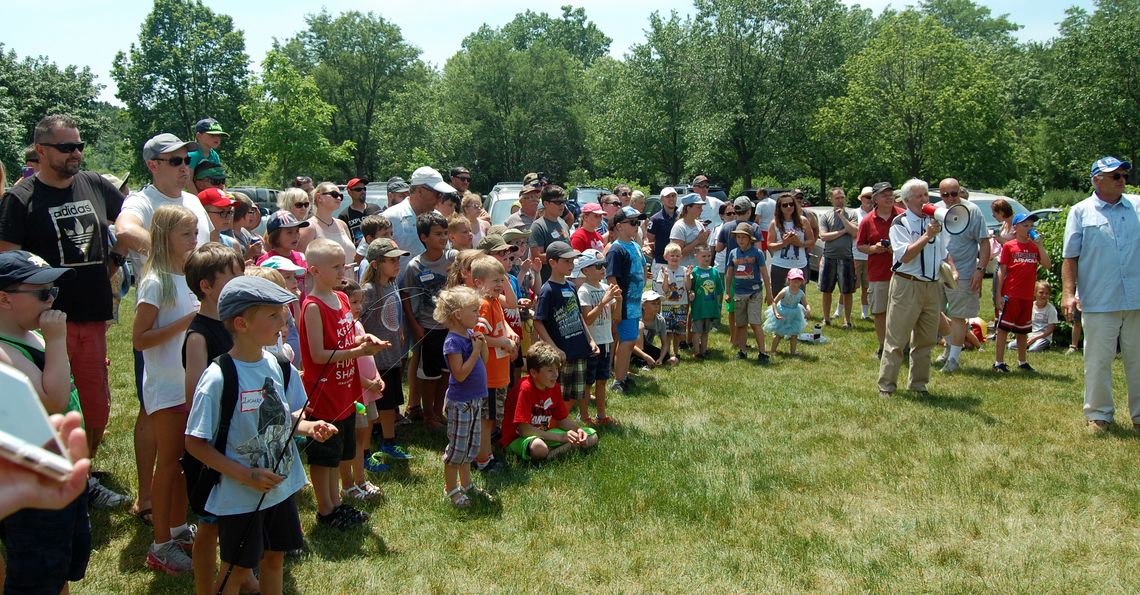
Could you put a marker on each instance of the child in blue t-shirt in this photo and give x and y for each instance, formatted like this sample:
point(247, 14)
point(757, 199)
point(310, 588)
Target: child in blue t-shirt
point(752, 289)
point(465, 350)
point(558, 321)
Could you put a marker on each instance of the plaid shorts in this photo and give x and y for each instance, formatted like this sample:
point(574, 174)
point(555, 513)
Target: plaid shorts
point(464, 432)
point(573, 379)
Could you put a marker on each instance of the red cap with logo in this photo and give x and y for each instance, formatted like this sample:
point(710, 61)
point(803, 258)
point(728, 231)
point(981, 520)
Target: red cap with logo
point(216, 197)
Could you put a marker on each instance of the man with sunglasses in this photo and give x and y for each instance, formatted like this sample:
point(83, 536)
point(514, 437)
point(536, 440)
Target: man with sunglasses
point(550, 227)
point(461, 181)
point(61, 214)
point(207, 174)
point(528, 203)
point(358, 209)
point(971, 253)
point(1101, 249)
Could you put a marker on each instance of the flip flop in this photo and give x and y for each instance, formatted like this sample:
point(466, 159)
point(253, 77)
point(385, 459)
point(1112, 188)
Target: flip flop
point(144, 516)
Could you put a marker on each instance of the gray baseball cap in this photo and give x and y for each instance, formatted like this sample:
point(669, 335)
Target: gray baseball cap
point(165, 143)
point(245, 291)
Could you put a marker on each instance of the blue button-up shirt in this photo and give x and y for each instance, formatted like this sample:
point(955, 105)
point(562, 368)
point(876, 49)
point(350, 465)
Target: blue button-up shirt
point(404, 233)
point(1105, 240)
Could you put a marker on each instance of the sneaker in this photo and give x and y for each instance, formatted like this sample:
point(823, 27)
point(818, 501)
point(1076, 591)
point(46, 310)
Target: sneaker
point(374, 464)
point(185, 537)
point(491, 467)
point(351, 514)
point(1001, 368)
point(1025, 367)
point(335, 520)
point(685, 345)
point(942, 359)
point(763, 358)
point(168, 558)
point(1071, 350)
point(618, 387)
point(884, 394)
point(396, 452)
point(630, 381)
point(951, 366)
point(741, 355)
point(104, 497)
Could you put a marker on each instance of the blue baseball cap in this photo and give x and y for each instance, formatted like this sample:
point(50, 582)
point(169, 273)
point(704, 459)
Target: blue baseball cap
point(1109, 164)
point(19, 266)
point(692, 198)
point(1023, 217)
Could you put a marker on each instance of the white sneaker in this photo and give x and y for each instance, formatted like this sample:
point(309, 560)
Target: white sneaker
point(951, 366)
point(168, 558)
point(942, 359)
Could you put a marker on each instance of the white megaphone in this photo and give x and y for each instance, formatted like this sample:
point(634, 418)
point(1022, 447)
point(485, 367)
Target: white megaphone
point(954, 219)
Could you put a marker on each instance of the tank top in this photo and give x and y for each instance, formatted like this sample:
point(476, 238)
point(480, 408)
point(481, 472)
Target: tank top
point(218, 339)
point(332, 388)
point(335, 234)
point(790, 257)
point(39, 358)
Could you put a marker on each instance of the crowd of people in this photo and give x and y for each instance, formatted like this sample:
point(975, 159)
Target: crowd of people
point(255, 352)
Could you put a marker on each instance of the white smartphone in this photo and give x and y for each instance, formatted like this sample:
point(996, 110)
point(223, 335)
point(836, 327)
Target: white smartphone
point(26, 435)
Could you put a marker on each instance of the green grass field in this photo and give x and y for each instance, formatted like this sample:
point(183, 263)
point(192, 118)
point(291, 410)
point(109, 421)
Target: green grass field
point(731, 477)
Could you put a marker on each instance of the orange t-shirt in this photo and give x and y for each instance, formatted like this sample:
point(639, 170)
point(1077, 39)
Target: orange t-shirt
point(493, 323)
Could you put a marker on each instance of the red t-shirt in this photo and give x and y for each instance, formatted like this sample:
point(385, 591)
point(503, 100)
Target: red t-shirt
point(1021, 260)
point(542, 409)
point(493, 323)
point(332, 388)
point(872, 230)
point(584, 239)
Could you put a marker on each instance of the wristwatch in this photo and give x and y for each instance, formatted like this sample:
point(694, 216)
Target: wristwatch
point(117, 258)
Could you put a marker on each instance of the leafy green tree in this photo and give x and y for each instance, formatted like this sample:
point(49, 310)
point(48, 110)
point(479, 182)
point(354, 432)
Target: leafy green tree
point(287, 120)
point(919, 104)
point(189, 63)
point(580, 37)
point(415, 131)
point(521, 109)
point(112, 151)
point(359, 61)
point(1093, 104)
point(969, 20)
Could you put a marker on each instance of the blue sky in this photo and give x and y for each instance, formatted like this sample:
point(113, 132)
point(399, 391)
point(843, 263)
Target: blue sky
point(90, 32)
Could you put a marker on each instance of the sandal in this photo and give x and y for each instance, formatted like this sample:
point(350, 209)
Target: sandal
point(473, 490)
point(605, 420)
point(371, 490)
point(458, 498)
point(356, 493)
point(144, 516)
point(586, 420)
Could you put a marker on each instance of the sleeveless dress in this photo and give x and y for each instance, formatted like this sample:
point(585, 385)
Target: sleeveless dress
point(793, 322)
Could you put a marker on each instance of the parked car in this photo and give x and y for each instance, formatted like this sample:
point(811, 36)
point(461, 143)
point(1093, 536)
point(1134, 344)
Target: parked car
point(262, 197)
point(500, 207)
point(501, 190)
point(580, 195)
point(1045, 214)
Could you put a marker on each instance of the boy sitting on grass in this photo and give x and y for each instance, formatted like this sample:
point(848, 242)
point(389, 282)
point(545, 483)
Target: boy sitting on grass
point(540, 426)
point(261, 469)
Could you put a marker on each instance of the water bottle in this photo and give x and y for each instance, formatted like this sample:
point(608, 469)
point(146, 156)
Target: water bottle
point(1033, 235)
point(818, 331)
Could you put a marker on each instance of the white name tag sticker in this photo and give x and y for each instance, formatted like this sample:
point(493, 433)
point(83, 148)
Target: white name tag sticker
point(425, 277)
point(741, 268)
point(251, 400)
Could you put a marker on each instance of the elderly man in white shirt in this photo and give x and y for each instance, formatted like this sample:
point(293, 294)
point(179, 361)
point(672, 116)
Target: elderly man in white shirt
point(915, 292)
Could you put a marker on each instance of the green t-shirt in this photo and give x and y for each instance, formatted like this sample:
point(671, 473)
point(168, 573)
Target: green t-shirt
point(39, 358)
point(708, 287)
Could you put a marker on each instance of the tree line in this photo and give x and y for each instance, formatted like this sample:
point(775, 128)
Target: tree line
point(752, 93)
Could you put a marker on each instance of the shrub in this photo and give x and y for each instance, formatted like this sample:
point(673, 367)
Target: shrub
point(1053, 234)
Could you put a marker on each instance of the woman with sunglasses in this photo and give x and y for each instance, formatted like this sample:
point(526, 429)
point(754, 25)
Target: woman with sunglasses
point(789, 238)
point(296, 201)
point(327, 198)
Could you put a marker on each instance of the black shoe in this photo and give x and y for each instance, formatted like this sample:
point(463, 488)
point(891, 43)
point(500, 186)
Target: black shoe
point(685, 345)
point(741, 355)
point(1001, 368)
point(493, 466)
point(352, 515)
point(1025, 367)
point(763, 358)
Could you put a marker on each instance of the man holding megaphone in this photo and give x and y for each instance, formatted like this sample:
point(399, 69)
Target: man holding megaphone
point(970, 249)
point(921, 264)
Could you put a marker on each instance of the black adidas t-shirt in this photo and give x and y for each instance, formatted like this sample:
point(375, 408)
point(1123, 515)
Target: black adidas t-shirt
point(67, 227)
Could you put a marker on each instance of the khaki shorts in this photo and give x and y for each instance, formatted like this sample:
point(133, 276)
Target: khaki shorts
point(749, 309)
point(370, 415)
point(878, 296)
point(962, 302)
point(861, 274)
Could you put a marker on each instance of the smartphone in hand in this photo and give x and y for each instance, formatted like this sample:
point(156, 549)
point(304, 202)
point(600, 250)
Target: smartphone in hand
point(26, 436)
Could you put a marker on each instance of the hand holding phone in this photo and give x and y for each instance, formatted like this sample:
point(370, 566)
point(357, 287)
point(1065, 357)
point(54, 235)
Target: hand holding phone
point(25, 486)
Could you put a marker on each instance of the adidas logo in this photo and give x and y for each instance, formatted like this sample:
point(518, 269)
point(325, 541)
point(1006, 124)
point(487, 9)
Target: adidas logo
point(79, 234)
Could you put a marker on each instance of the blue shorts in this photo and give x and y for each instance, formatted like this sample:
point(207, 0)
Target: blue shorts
point(598, 366)
point(46, 548)
point(627, 329)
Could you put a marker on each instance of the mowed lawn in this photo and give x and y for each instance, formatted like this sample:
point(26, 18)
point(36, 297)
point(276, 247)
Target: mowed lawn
point(731, 477)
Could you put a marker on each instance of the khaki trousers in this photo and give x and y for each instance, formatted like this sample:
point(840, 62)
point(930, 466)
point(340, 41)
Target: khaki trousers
point(912, 315)
point(1102, 329)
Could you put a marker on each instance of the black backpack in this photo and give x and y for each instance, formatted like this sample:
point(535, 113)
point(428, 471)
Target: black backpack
point(200, 479)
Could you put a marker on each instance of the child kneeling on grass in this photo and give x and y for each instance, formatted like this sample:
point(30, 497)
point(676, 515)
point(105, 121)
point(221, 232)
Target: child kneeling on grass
point(540, 426)
point(261, 468)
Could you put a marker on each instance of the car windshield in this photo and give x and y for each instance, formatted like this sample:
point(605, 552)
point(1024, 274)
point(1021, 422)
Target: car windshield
point(588, 195)
point(500, 211)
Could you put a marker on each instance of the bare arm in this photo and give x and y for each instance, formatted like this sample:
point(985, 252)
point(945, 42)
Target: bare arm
point(1069, 301)
point(315, 340)
point(130, 232)
point(144, 335)
point(195, 364)
point(6, 246)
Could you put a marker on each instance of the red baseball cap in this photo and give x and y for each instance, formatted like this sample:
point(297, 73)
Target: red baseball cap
point(216, 197)
point(356, 182)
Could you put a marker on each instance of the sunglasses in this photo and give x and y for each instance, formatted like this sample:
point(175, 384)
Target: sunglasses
point(1117, 176)
point(359, 189)
point(222, 213)
point(66, 147)
point(464, 178)
point(300, 205)
point(625, 194)
point(174, 161)
point(952, 194)
point(612, 203)
point(44, 294)
point(787, 204)
point(217, 181)
point(700, 185)
point(334, 194)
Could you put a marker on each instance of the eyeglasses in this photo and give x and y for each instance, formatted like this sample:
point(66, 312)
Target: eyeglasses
point(174, 161)
point(953, 194)
point(66, 147)
point(464, 178)
point(1116, 176)
point(784, 205)
point(44, 294)
point(334, 194)
point(300, 205)
point(599, 266)
point(612, 203)
point(222, 213)
point(217, 181)
point(700, 185)
point(625, 194)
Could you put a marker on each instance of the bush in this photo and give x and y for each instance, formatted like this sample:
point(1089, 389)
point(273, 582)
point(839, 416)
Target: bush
point(1053, 234)
point(1058, 197)
point(810, 186)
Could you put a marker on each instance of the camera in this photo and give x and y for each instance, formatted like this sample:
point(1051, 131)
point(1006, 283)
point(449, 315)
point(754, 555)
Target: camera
point(885, 243)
